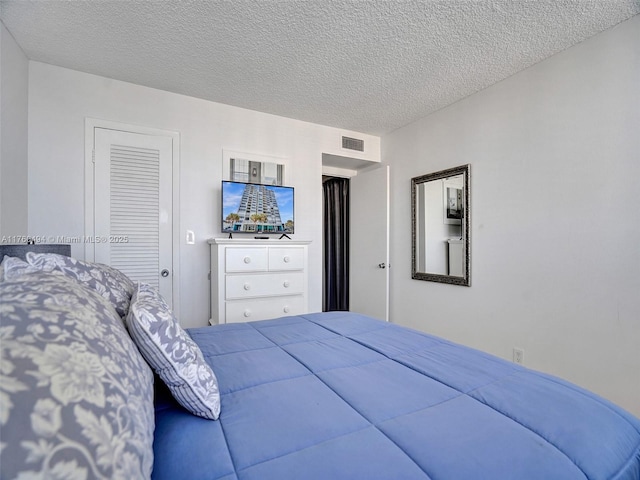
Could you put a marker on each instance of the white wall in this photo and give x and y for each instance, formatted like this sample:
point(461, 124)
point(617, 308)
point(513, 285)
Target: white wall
point(14, 73)
point(61, 99)
point(555, 172)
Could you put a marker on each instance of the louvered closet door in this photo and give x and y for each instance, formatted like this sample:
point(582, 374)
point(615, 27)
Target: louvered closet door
point(133, 205)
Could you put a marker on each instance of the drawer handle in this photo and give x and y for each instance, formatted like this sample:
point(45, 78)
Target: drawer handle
point(286, 284)
point(286, 259)
point(286, 309)
point(247, 259)
point(247, 313)
point(247, 286)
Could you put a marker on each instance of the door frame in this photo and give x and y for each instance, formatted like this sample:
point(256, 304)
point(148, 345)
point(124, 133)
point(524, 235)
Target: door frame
point(89, 190)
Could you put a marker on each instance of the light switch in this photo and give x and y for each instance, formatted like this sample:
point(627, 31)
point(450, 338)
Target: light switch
point(191, 237)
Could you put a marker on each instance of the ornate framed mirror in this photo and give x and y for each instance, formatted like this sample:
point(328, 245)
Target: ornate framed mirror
point(440, 226)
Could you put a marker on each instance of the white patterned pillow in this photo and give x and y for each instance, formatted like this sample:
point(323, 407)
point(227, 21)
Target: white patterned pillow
point(14, 267)
point(76, 396)
point(109, 282)
point(172, 353)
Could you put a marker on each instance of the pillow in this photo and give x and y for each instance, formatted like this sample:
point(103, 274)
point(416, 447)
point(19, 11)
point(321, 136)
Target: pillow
point(109, 282)
point(76, 395)
point(172, 353)
point(14, 267)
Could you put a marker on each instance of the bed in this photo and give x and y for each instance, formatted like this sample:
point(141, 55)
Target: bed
point(342, 396)
point(320, 396)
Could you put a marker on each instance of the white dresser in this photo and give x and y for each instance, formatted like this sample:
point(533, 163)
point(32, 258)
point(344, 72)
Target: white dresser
point(257, 279)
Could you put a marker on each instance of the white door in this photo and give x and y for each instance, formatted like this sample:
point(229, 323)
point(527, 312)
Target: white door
point(369, 243)
point(133, 213)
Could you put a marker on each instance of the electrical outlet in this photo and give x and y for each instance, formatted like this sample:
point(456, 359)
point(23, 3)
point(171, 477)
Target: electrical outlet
point(518, 355)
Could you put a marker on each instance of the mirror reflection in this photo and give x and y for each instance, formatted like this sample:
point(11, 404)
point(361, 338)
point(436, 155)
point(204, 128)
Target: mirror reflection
point(440, 204)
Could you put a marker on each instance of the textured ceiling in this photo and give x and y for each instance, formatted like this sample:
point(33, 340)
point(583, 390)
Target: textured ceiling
point(368, 66)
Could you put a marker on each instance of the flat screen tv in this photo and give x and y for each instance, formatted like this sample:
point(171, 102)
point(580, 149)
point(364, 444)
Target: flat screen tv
point(257, 209)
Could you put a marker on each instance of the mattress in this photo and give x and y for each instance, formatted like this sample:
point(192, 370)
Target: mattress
point(342, 396)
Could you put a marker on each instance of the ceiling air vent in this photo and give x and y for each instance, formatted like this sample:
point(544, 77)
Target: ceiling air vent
point(353, 144)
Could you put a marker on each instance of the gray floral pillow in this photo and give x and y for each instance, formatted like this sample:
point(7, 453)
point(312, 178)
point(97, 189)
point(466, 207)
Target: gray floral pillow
point(76, 396)
point(109, 282)
point(172, 353)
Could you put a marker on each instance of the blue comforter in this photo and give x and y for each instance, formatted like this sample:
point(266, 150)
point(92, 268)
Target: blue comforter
point(342, 396)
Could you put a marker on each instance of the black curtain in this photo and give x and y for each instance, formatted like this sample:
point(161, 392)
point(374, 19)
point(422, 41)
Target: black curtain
point(336, 244)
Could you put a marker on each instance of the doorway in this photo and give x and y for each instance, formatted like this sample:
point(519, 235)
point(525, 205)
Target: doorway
point(363, 277)
point(336, 222)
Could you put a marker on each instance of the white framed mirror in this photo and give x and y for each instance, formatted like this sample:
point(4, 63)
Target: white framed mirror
point(440, 226)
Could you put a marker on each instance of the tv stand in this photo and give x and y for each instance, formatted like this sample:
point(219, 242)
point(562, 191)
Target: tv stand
point(284, 235)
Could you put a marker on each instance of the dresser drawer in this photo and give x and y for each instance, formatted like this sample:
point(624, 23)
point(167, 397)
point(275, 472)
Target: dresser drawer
point(245, 259)
point(286, 258)
point(264, 308)
point(260, 285)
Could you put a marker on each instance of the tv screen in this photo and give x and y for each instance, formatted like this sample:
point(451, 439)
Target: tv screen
point(255, 208)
